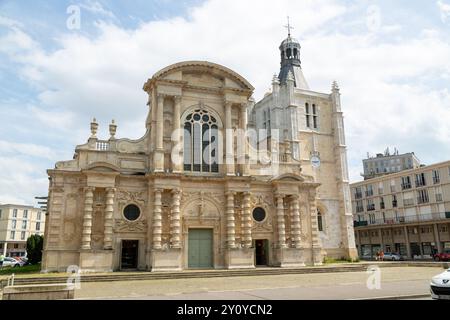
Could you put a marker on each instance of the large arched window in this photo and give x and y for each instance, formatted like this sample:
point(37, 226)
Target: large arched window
point(201, 142)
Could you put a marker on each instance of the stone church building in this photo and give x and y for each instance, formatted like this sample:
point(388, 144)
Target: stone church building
point(195, 197)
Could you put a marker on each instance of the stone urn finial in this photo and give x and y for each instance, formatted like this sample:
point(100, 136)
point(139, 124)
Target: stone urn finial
point(335, 86)
point(94, 128)
point(112, 129)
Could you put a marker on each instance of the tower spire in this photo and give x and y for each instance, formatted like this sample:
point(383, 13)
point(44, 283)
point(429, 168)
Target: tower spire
point(288, 27)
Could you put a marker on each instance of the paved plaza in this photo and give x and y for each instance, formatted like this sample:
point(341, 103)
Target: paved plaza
point(399, 282)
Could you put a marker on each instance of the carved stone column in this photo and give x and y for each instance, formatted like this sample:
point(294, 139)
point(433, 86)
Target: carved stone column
point(158, 156)
point(175, 226)
point(107, 241)
point(177, 167)
point(157, 219)
point(87, 218)
point(295, 225)
point(229, 148)
point(247, 221)
point(231, 227)
point(280, 221)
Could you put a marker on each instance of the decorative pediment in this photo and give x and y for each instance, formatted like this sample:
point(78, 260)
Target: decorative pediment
point(220, 75)
point(103, 167)
point(290, 177)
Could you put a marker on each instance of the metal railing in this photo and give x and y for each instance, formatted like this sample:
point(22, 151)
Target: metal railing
point(406, 186)
point(406, 219)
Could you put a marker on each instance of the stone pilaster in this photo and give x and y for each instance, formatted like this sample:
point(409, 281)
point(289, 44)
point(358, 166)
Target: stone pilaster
point(315, 237)
point(231, 226)
point(158, 155)
point(295, 222)
point(177, 167)
point(175, 226)
point(280, 221)
point(157, 219)
point(243, 161)
point(247, 221)
point(109, 209)
point(87, 218)
point(229, 148)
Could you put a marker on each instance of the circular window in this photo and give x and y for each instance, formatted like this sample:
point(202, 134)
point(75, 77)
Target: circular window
point(131, 212)
point(259, 214)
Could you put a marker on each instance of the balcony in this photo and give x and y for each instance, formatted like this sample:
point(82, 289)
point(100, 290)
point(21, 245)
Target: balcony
point(102, 146)
point(359, 209)
point(360, 223)
point(371, 207)
point(358, 195)
point(420, 183)
point(408, 219)
point(394, 203)
point(369, 193)
point(436, 180)
point(406, 186)
point(382, 205)
point(422, 200)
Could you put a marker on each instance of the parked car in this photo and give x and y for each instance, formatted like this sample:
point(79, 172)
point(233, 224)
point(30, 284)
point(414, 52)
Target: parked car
point(440, 286)
point(11, 262)
point(389, 256)
point(444, 256)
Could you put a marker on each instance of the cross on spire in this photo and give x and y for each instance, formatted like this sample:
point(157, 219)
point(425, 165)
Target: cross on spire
point(288, 27)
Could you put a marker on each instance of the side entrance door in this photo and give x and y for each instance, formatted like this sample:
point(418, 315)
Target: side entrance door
point(129, 254)
point(200, 249)
point(261, 252)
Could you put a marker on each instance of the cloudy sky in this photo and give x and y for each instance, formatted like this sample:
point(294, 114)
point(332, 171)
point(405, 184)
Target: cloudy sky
point(390, 58)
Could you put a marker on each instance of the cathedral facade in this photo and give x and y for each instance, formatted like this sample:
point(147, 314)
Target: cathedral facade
point(217, 181)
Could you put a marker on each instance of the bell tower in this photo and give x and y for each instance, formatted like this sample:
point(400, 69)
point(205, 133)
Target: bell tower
point(290, 61)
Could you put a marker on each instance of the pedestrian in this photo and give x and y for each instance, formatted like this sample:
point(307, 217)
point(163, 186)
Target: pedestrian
point(381, 255)
point(2, 258)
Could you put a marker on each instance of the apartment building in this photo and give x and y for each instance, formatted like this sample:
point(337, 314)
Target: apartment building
point(407, 212)
point(387, 163)
point(17, 223)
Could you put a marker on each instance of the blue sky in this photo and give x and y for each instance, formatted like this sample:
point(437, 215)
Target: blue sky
point(391, 59)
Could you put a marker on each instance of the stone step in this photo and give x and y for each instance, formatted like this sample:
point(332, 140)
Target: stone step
point(190, 274)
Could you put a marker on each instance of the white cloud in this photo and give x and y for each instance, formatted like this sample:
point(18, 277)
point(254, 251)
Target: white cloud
point(21, 180)
point(29, 149)
point(444, 9)
point(385, 98)
point(96, 8)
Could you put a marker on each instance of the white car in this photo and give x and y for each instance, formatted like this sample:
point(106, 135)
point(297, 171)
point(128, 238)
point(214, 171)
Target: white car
point(11, 262)
point(388, 256)
point(440, 286)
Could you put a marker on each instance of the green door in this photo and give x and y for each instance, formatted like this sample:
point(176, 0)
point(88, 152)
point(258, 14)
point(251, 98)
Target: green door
point(200, 248)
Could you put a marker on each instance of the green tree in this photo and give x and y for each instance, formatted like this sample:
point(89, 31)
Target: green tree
point(34, 248)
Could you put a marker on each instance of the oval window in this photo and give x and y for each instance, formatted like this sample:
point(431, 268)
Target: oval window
point(131, 212)
point(259, 214)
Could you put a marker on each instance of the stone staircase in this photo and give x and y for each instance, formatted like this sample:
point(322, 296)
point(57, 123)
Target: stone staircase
point(264, 271)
